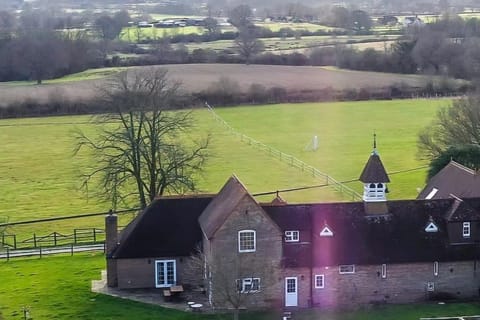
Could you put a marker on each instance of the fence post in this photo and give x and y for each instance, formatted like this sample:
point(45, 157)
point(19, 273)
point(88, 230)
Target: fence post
point(14, 241)
point(71, 249)
point(55, 238)
point(94, 236)
point(40, 252)
point(75, 236)
point(34, 240)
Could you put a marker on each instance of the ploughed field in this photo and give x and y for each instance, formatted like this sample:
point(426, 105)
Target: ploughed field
point(198, 77)
point(40, 177)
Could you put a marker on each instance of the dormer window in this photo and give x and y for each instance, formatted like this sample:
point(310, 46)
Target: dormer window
point(292, 236)
point(466, 230)
point(326, 232)
point(246, 241)
point(431, 226)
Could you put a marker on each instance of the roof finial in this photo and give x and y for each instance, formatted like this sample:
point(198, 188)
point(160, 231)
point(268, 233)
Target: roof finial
point(374, 142)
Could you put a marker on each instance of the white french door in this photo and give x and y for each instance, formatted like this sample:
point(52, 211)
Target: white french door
point(165, 273)
point(291, 292)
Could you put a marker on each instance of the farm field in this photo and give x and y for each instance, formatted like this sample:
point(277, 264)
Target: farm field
point(59, 288)
point(197, 77)
point(40, 177)
point(279, 45)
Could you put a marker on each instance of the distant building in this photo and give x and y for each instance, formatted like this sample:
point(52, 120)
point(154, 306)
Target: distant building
point(453, 180)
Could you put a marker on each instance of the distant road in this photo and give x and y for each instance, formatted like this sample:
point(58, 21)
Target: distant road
point(197, 77)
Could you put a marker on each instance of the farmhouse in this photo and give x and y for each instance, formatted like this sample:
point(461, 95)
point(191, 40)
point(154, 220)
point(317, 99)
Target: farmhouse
point(243, 253)
point(453, 180)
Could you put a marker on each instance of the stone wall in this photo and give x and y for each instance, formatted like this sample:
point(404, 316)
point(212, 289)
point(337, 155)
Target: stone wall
point(404, 283)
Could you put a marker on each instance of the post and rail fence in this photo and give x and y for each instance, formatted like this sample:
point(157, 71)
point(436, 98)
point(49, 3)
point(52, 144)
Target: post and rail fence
point(79, 240)
point(287, 158)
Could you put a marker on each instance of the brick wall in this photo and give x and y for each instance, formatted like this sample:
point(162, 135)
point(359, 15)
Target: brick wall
point(265, 263)
point(404, 283)
point(140, 273)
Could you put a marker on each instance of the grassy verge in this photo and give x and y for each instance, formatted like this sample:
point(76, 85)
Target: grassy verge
point(59, 288)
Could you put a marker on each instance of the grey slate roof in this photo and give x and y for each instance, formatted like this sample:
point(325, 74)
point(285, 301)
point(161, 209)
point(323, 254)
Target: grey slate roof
point(221, 206)
point(454, 179)
point(374, 171)
point(168, 227)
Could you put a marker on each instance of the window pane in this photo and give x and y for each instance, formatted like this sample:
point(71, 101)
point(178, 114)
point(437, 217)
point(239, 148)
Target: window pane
point(247, 241)
point(291, 286)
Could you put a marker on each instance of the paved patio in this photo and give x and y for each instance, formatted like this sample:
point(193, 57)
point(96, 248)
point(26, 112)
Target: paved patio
point(152, 296)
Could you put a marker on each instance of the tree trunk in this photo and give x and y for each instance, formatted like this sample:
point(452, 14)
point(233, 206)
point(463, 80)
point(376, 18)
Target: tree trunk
point(236, 314)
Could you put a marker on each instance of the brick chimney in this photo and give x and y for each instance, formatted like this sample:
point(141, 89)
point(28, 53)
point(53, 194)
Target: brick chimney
point(111, 241)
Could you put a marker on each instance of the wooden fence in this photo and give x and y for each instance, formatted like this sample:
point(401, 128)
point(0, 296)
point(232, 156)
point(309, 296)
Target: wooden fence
point(289, 159)
point(54, 239)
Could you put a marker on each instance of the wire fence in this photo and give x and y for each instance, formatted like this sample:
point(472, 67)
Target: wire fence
point(288, 159)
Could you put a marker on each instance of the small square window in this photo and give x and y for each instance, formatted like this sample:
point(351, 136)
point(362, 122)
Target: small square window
point(292, 236)
point(246, 241)
point(248, 285)
point(430, 286)
point(466, 229)
point(345, 269)
point(319, 281)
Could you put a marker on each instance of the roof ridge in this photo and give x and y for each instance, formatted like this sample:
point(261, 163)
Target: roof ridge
point(462, 167)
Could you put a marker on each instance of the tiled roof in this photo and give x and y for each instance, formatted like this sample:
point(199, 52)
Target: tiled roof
point(454, 179)
point(221, 206)
point(374, 171)
point(168, 227)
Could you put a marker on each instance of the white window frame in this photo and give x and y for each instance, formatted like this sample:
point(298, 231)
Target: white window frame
point(384, 271)
point(435, 268)
point(466, 230)
point(244, 283)
point(165, 262)
point(350, 269)
point(240, 242)
point(322, 284)
point(292, 236)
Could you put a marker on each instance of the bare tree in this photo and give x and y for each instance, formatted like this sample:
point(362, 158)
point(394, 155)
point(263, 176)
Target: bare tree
point(232, 281)
point(457, 124)
point(247, 43)
point(142, 150)
point(240, 16)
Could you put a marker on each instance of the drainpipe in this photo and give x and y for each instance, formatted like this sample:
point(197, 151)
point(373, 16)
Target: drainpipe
point(311, 261)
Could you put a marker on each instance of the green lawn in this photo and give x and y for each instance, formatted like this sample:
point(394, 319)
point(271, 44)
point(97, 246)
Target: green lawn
point(40, 176)
point(59, 288)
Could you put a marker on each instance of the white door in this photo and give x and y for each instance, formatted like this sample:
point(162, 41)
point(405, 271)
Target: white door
point(165, 273)
point(291, 292)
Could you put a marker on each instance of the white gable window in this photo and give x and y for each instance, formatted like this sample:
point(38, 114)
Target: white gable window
point(346, 269)
point(319, 281)
point(248, 285)
point(292, 236)
point(431, 227)
point(384, 271)
point(435, 268)
point(326, 232)
point(246, 241)
point(466, 230)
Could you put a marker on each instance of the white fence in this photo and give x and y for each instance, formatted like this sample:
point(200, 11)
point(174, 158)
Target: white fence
point(289, 159)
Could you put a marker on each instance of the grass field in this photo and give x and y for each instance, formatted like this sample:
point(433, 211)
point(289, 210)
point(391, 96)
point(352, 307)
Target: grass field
point(40, 177)
point(59, 288)
point(197, 77)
